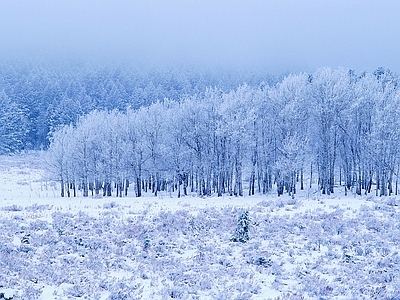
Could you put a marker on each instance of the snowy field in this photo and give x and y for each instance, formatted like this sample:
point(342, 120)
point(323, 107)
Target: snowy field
point(310, 247)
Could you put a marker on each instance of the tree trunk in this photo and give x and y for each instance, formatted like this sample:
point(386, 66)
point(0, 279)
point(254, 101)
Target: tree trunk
point(126, 187)
point(359, 180)
point(301, 179)
point(185, 183)
point(377, 183)
point(397, 179)
point(85, 189)
point(138, 187)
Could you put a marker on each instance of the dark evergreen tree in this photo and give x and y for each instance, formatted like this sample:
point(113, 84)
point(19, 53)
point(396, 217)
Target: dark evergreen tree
point(243, 227)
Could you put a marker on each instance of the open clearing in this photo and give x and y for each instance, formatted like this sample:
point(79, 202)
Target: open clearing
point(310, 247)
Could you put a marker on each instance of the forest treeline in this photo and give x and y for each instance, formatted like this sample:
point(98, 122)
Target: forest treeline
point(331, 127)
point(36, 98)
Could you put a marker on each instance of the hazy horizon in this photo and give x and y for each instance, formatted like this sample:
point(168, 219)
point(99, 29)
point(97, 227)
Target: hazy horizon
point(276, 36)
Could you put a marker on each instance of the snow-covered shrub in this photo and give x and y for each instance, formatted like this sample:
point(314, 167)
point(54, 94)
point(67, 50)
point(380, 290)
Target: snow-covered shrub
point(263, 262)
point(384, 207)
point(62, 222)
point(205, 282)
point(5, 249)
point(391, 201)
point(359, 251)
point(266, 203)
point(290, 296)
point(279, 203)
point(110, 205)
point(127, 289)
point(315, 286)
point(224, 261)
point(137, 230)
point(174, 292)
point(75, 291)
point(38, 207)
point(30, 293)
point(37, 225)
point(210, 218)
point(170, 223)
point(146, 244)
point(243, 296)
point(292, 201)
point(120, 296)
point(223, 295)
point(333, 223)
point(26, 249)
point(13, 207)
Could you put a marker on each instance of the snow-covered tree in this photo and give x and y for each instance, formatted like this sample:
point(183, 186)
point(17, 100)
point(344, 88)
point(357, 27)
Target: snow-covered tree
point(291, 126)
point(328, 93)
point(334, 124)
point(13, 126)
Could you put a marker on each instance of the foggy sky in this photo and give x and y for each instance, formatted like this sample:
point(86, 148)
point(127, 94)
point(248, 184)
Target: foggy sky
point(276, 35)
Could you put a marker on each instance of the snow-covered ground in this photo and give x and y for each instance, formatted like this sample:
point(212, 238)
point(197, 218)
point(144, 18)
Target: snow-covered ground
point(310, 247)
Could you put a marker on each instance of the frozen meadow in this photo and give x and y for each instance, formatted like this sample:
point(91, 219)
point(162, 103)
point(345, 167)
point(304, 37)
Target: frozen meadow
point(199, 150)
point(309, 247)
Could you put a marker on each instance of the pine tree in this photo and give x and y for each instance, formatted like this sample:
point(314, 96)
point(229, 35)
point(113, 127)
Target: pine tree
point(242, 228)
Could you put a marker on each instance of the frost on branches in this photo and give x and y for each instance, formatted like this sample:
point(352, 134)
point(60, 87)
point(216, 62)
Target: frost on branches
point(330, 128)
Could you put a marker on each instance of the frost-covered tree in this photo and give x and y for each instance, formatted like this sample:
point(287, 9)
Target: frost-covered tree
point(237, 119)
point(334, 125)
point(197, 139)
point(152, 133)
point(178, 154)
point(355, 129)
point(328, 93)
point(291, 126)
point(58, 157)
point(66, 111)
point(135, 151)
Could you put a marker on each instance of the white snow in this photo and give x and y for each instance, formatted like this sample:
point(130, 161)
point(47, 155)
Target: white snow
point(96, 247)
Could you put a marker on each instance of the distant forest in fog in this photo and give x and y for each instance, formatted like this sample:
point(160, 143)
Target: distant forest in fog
point(333, 127)
point(37, 98)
